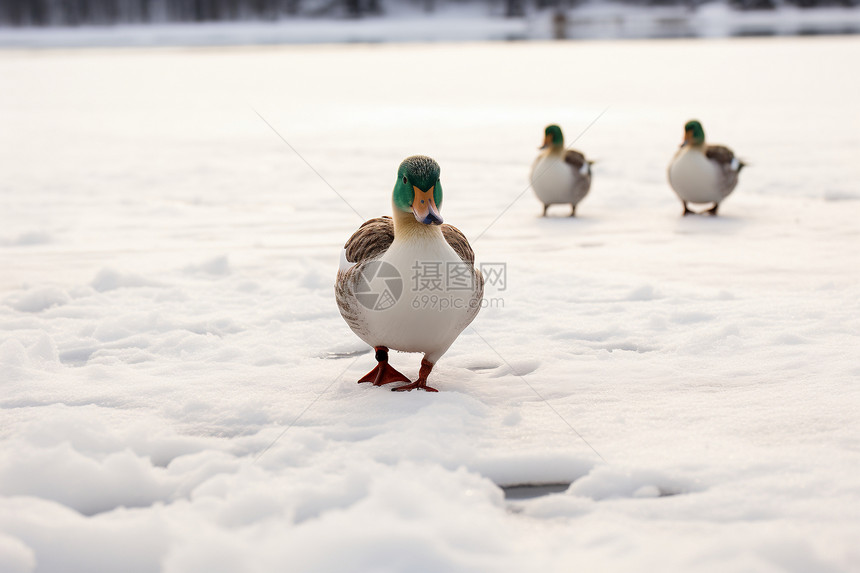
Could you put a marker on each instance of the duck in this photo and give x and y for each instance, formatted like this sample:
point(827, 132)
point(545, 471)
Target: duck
point(702, 173)
point(559, 175)
point(408, 282)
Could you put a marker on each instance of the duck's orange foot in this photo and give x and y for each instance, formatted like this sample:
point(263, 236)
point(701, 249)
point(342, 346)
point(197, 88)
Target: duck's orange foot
point(383, 373)
point(687, 210)
point(417, 385)
point(421, 383)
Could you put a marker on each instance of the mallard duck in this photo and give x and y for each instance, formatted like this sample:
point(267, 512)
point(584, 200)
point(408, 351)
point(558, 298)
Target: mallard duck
point(409, 282)
point(701, 173)
point(560, 175)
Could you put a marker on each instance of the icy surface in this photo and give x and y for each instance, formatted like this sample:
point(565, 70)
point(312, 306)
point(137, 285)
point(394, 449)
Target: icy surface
point(178, 388)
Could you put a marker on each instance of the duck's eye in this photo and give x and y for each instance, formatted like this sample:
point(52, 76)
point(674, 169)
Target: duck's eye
point(405, 180)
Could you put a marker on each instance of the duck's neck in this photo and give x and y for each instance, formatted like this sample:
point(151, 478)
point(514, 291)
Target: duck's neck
point(556, 150)
point(407, 228)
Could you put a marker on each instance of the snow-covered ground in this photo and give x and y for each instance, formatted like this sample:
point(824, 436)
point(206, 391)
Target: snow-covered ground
point(178, 388)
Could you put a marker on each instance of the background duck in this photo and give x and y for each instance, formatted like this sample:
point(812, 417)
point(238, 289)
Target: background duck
point(701, 173)
point(409, 282)
point(559, 175)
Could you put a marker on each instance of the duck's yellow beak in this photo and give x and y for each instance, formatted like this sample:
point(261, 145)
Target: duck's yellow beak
point(424, 206)
point(547, 141)
point(688, 138)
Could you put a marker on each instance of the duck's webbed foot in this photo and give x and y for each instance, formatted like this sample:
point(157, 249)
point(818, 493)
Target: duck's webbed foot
point(712, 210)
point(421, 383)
point(573, 210)
point(383, 373)
point(687, 210)
point(545, 207)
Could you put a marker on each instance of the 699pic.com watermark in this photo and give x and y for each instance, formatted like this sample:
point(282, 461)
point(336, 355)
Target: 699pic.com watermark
point(433, 285)
point(442, 302)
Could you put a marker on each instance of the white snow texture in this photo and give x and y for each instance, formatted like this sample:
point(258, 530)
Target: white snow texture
point(178, 390)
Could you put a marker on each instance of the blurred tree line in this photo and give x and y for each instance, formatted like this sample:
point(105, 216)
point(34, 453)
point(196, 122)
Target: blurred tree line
point(102, 12)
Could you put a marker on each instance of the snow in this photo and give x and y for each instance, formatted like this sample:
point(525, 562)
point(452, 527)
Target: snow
point(178, 387)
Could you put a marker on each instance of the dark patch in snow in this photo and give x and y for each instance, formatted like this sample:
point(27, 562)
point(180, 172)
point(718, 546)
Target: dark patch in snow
point(77, 356)
point(482, 367)
point(531, 491)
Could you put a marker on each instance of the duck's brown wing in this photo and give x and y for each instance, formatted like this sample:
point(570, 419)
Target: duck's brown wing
point(457, 240)
point(574, 158)
point(729, 165)
point(724, 156)
point(370, 241)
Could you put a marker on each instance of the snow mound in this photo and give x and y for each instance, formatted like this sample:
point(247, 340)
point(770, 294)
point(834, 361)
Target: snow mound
point(21, 357)
point(27, 239)
point(15, 556)
point(217, 267)
point(13, 354)
point(841, 195)
point(66, 541)
point(614, 483)
point(532, 468)
point(37, 299)
point(86, 484)
point(109, 279)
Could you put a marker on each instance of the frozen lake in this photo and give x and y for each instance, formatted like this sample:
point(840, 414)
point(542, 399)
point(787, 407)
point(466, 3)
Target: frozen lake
point(178, 387)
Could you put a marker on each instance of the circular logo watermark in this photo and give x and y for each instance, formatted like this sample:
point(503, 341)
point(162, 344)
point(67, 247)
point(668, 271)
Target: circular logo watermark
point(379, 286)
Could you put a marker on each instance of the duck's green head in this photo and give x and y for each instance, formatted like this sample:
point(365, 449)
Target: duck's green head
point(552, 137)
point(418, 189)
point(693, 133)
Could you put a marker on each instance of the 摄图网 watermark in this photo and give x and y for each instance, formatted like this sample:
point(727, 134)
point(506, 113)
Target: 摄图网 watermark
point(433, 285)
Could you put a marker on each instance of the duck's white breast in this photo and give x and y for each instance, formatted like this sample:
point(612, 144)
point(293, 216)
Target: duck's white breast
point(553, 180)
point(435, 305)
point(695, 178)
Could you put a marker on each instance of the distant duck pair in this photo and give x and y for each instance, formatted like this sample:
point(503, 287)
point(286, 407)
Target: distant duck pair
point(699, 173)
